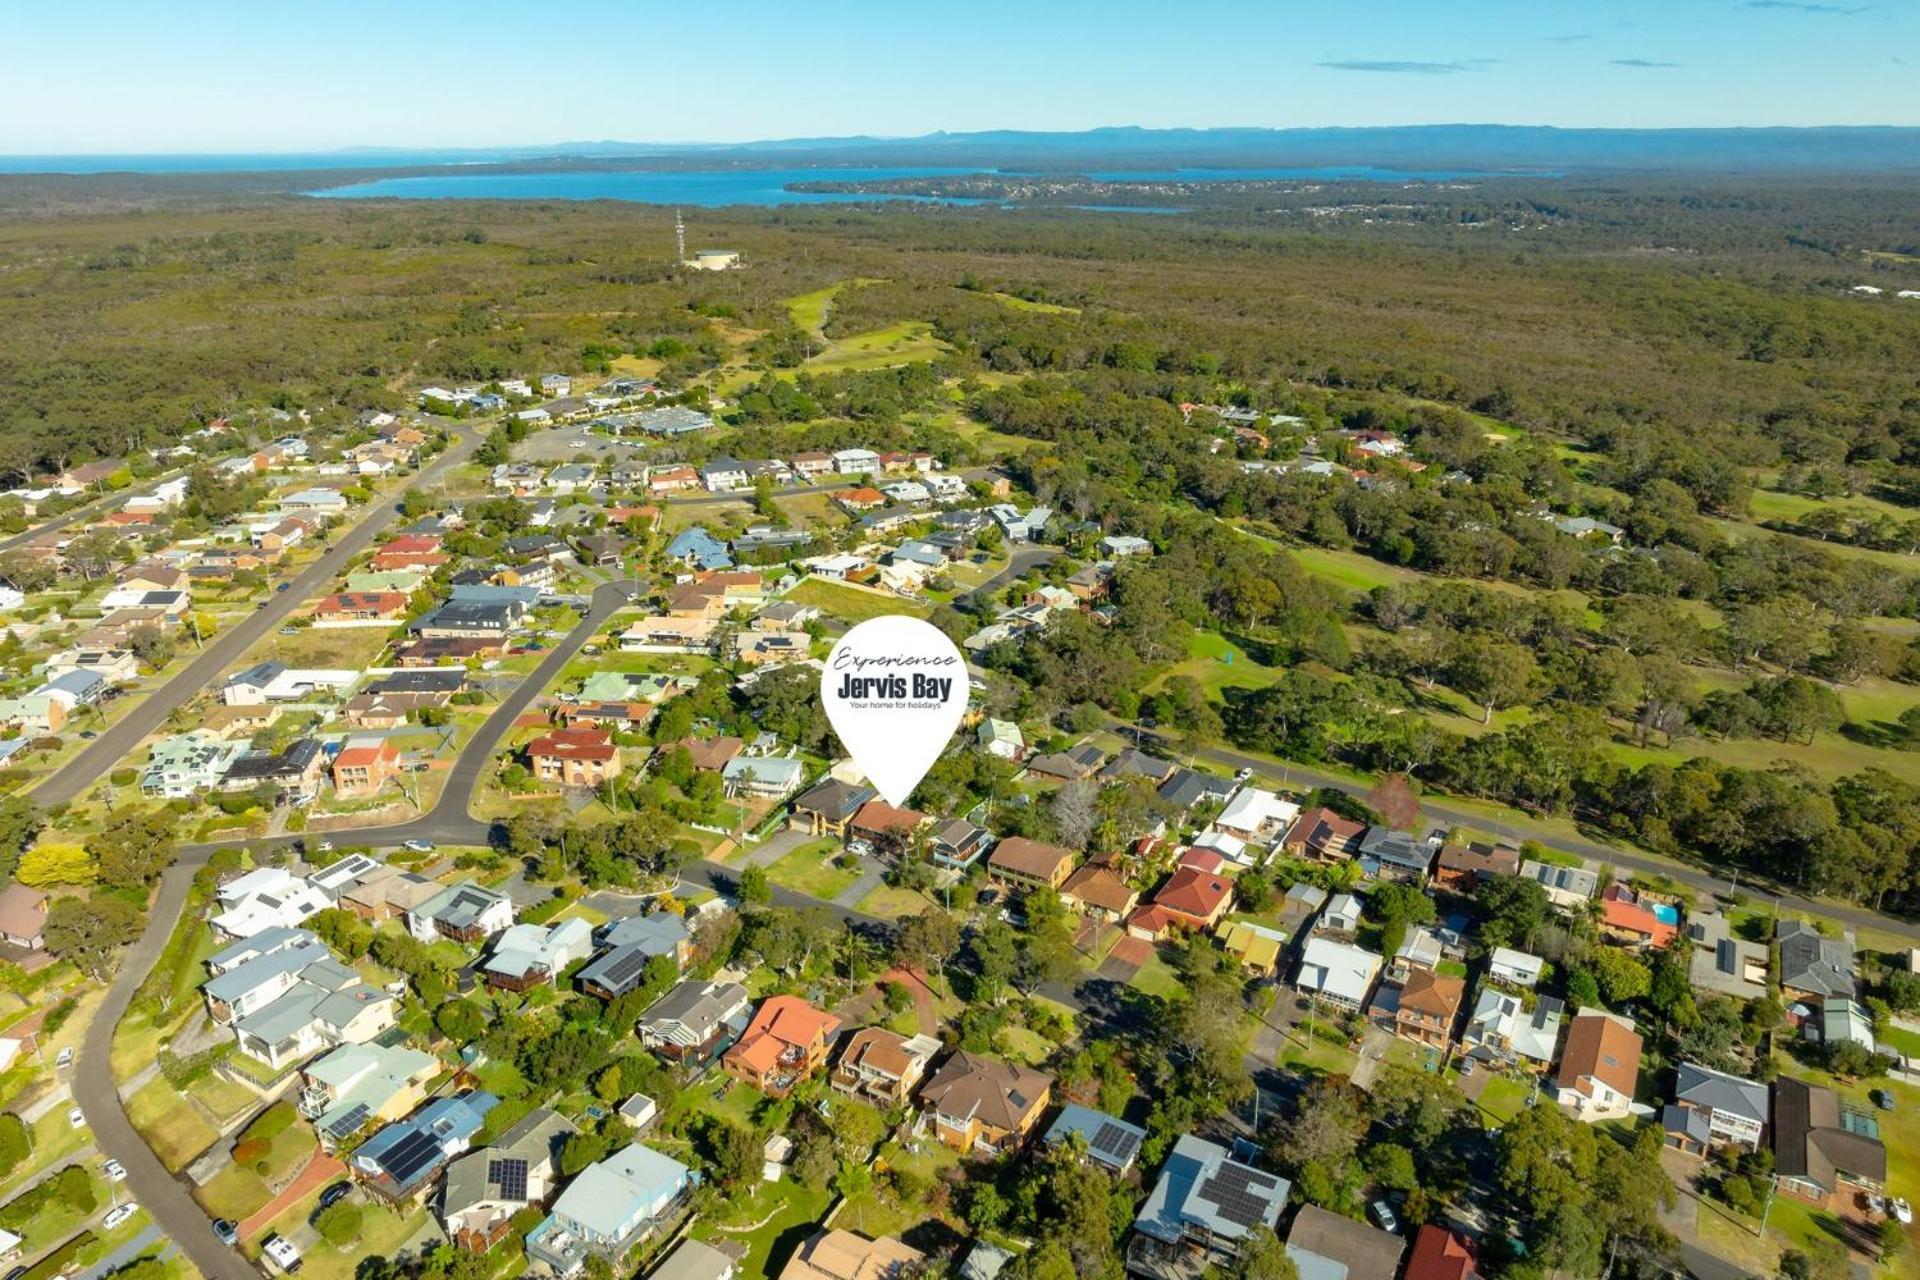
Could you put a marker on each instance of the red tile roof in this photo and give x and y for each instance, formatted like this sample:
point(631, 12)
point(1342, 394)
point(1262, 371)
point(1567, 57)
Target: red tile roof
point(574, 744)
point(1193, 893)
point(1440, 1254)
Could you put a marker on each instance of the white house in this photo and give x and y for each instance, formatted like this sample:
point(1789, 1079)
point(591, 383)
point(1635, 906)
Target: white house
point(1503, 1030)
point(265, 682)
point(280, 905)
point(1257, 817)
point(1515, 968)
point(1338, 972)
point(854, 462)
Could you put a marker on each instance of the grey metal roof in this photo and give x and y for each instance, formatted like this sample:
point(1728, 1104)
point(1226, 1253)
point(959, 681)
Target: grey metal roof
point(1705, 1087)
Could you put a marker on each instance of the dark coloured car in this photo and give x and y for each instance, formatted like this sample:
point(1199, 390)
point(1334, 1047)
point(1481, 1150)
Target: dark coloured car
point(1882, 1099)
point(228, 1232)
point(334, 1194)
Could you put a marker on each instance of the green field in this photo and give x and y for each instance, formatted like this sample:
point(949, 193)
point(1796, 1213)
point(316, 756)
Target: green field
point(1022, 304)
point(809, 870)
point(809, 310)
point(902, 343)
point(853, 604)
point(1217, 663)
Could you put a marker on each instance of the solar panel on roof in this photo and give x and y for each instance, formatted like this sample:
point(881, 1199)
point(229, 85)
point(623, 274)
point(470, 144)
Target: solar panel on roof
point(622, 969)
point(411, 1156)
point(1236, 1190)
point(349, 1122)
point(1117, 1142)
point(510, 1176)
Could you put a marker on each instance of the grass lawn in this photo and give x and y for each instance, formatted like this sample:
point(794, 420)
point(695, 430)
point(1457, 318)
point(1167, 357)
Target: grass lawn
point(808, 870)
point(1156, 978)
point(1503, 1098)
point(382, 1231)
point(809, 310)
point(222, 1098)
point(853, 604)
point(1022, 1045)
point(1318, 1055)
point(1216, 663)
point(169, 1123)
point(55, 1221)
point(790, 1212)
point(234, 1193)
point(53, 1141)
point(348, 648)
point(897, 344)
point(1022, 304)
point(874, 1214)
point(890, 903)
point(1350, 569)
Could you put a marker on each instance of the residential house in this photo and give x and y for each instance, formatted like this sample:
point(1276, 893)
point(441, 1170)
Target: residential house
point(978, 1104)
point(1462, 868)
point(388, 895)
point(357, 1086)
point(1338, 972)
point(828, 806)
point(1340, 918)
point(659, 933)
point(1396, 855)
point(1072, 765)
point(467, 912)
point(1825, 1151)
point(185, 764)
point(1813, 966)
point(574, 757)
point(484, 1189)
point(1600, 1066)
point(1568, 888)
point(764, 777)
point(1257, 947)
point(277, 682)
point(360, 608)
point(1504, 1031)
point(269, 898)
point(1625, 918)
point(724, 475)
point(1721, 963)
point(835, 1254)
point(23, 917)
point(694, 1260)
point(854, 462)
point(786, 1042)
point(1329, 1246)
point(295, 769)
point(1120, 545)
point(1514, 968)
point(882, 1066)
point(1106, 1140)
point(1441, 1253)
point(459, 619)
point(1257, 818)
point(707, 754)
point(1841, 1020)
point(325, 1005)
point(880, 827)
point(1428, 1008)
point(958, 844)
point(402, 1160)
point(364, 766)
point(1096, 889)
point(1322, 834)
point(1020, 863)
point(1189, 899)
point(1202, 1207)
point(613, 1205)
point(531, 955)
point(697, 1021)
point(1713, 1109)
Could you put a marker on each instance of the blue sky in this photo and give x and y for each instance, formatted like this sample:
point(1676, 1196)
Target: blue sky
point(119, 76)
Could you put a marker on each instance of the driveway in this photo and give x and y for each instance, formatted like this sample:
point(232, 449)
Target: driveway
point(1373, 1052)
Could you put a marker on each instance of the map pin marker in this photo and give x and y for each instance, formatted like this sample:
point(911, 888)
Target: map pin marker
point(895, 688)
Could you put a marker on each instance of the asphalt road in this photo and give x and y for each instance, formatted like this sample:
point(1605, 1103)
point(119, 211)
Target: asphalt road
point(1705, 879)
point(85, 511)
point(224, 650)
point(148, 1181)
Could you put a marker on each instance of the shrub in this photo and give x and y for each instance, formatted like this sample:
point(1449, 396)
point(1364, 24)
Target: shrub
point(339, 1225)
point(250, 1150)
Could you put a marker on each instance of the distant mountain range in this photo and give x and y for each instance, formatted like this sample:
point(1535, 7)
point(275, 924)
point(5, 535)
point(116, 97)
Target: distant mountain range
point(1450, 146)
point(1463, 147)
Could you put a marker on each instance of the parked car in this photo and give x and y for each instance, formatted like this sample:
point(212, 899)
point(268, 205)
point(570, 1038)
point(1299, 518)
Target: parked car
point(282, 587)
point(64, 1058)
point(119, 1215)
point(1902, 1210)
point(334, 1194)
point(1882, 1099)
point(418, 846)
point(116, 1172)
point(77, 1118)
point(1383, 1215)
point(282, 1252)
point(227, 1232)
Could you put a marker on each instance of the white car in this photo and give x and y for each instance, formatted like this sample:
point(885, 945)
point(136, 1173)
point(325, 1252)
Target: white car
point(116, 1172)
point(77, 1118)
point(283, 1253)
point(119, 1215)
point(419, 846)
point(64, 1058)
point(576, 444)
point(1902, 1210)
